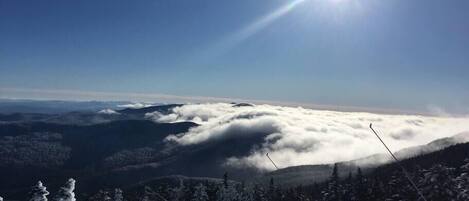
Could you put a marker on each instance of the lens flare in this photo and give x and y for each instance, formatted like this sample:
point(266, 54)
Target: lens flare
point(249, 30)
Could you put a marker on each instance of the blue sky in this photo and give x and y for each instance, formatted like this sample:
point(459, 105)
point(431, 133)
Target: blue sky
point(397, 54)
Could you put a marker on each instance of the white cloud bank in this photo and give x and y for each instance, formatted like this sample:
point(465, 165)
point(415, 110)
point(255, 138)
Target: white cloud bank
point(108, 111)
point(298, 136)
point(135, 105)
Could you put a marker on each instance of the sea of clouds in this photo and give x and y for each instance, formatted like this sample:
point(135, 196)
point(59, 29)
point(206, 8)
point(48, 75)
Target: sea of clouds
point(299, 136)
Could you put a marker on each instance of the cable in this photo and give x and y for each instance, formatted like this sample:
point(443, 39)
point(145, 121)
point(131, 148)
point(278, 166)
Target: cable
point(400, 165)
point(271, 160)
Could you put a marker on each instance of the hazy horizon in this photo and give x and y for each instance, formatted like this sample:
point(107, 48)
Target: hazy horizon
point(154, 98)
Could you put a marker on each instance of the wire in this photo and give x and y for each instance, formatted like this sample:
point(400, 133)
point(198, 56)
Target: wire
point(271, 160)
point(400, 165)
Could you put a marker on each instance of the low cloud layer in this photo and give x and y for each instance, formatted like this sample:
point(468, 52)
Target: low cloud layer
point(108, 111)
point(135, 105)
point(298, 136)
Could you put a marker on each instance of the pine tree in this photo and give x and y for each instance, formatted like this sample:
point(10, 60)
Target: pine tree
point(438, 183)
point(271, 191)
point(244, 194)
point(279, 196)
point(150, 194)
point(38, 192)
point(332, 192)
point(147, 193)
point(360, 186)
point(66, 192)
point(227, 194)
point(200, 193)
point(188, 192)
point(394, 185)
point(259, 193)
point(462, 182)
point(177, 193)
point(225, 180)
point(212, 190)
point(118, 195)
point(163, 191)
point(347, 191)
point(101, 195)
point(376, 191)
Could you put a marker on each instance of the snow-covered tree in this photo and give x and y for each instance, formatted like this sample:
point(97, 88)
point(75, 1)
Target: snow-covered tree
point(118, 195)
point(177, 193)
point(245, 195)
point(462, 182)
point(38, 192)
point(200, 193)
point(438, 182)
point(259, 193)
point(1, 199)
point(101, 195)
point(148, 194)
point(66, 192)
point(227, 194)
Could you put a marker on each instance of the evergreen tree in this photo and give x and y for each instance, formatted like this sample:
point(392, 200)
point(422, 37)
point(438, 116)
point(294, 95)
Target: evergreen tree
point(66, 192)
point(315, 191)
point(348, 191)
point(332, 192)
point(38, 192)
point(279, 196)
point(244, 194)
point(188, 192)
point(225, 180)
point(118, 195)
point(438, 183)
point(177, 194)
point(163, 191)
point(376, 191)
point(259, 193)
point(360, 186)
point(212, 190)
point(148, 194)
point(101, 195)
point(394, 185)
point(227, 194)
point(271, 191)
point(200, 193)
point(462, 182)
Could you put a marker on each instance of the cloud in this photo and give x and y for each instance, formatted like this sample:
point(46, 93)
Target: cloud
point(298, 136)
point(108, 111)
point(135, 105)
point(405, 134)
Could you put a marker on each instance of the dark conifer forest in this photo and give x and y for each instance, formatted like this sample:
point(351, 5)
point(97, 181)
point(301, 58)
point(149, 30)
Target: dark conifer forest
point(441, 175)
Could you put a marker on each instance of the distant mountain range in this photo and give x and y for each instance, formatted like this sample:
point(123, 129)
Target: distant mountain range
point(8, 106)
point(123, 148)
point(105, 150)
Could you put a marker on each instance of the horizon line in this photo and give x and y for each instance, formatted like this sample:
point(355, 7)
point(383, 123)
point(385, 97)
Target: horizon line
point(13, 93)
